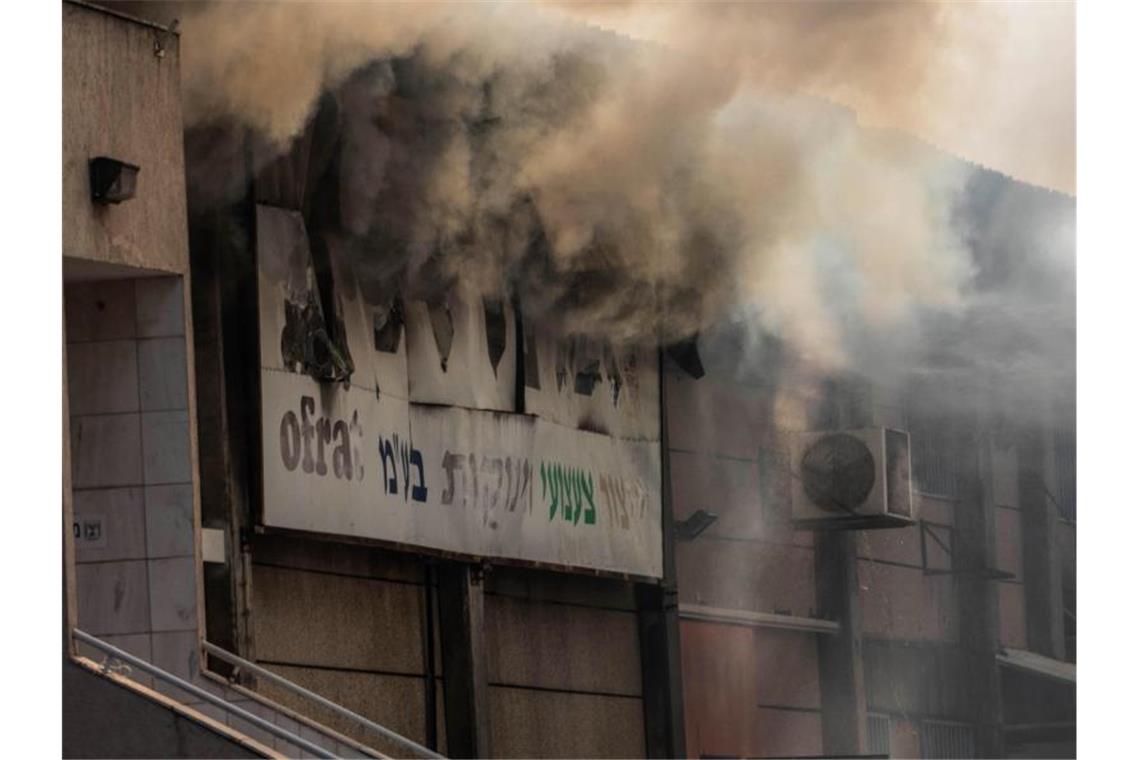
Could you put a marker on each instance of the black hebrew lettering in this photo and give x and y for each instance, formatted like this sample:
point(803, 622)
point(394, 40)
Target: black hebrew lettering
point(451, 463)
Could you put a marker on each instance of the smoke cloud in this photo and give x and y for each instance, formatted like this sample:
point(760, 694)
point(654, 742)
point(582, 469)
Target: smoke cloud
point(643, 171)
point(625, 189)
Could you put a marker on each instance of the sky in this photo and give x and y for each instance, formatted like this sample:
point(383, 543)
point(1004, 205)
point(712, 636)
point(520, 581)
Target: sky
point(992, 82)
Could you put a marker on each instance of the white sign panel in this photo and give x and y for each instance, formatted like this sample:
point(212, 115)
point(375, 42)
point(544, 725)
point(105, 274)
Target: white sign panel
point(357, 458)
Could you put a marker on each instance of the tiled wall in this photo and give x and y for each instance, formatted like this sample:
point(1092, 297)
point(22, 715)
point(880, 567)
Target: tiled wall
point(131, 469)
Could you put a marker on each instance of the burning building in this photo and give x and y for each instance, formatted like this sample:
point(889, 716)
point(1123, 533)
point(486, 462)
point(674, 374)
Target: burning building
point(438, 414)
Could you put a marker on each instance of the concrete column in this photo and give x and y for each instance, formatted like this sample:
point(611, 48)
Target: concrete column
point(843, 693)
point(659, 625)
point(1044, 625)
point(973, 558)
point(464, 653)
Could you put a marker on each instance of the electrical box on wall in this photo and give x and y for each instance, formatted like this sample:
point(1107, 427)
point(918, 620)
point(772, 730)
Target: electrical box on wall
point(852, 479)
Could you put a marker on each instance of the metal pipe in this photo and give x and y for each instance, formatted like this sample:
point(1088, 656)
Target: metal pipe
point(202, 694)
point(757, 619)
point(269, 675)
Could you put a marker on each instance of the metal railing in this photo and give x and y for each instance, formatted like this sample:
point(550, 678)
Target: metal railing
point(401, 741)
point(202, 694)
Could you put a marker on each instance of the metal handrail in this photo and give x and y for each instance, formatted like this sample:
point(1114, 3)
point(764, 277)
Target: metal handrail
point(344, 712)
point(202, 694)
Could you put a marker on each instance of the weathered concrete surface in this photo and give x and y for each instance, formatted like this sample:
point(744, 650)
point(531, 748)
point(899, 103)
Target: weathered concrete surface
point(105, 719)
point(529, 723)
point(121, 100)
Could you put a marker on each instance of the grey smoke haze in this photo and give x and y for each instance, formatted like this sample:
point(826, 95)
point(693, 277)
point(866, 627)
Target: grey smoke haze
point(625, 189)
point(636, 190)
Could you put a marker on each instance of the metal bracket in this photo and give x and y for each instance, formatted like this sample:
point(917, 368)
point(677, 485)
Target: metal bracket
point(990, 573)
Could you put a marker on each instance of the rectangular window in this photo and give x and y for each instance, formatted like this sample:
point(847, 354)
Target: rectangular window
point(947, 740)
point(878, 735)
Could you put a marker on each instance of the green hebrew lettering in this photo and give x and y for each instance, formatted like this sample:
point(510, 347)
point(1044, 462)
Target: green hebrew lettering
point(576, 483)
point(588, 490)
point(567, 508)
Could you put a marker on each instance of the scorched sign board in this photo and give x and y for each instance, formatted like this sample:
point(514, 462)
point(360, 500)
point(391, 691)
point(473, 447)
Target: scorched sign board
point(356, 455)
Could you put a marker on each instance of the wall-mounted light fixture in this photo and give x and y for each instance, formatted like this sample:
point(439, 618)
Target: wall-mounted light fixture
point(112, 181)
point(693, 525)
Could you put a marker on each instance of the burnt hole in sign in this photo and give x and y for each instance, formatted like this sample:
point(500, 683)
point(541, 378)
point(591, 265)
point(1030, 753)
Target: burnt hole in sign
point(566, 351)
point(443, 329)
point(293, 338)
point(613, 371)
point(587, 378)
point(530, 361)
point(687, 356)
point(387, 327)
point(495, 322)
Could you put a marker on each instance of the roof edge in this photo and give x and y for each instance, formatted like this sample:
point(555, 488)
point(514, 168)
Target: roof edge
point(119, 14)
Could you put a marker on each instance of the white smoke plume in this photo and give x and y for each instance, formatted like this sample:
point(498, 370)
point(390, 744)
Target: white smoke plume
point(631, 189)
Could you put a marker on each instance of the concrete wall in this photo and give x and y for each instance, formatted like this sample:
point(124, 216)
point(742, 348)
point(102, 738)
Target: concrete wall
point(563, 666)
point(727, 437)
point(898, 599)
point(121, 100)
point(748, 691)
point(105, 719)
point(348, 623)
point(563, 661)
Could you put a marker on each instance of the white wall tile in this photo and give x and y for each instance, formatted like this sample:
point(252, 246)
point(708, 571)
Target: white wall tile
point(106, 451)
point(159, 302)
point(103, 310)
point(102, 377)
point(170, 521)
point(162, 373)
point(173, 595)
point(176, 652)
point(119, 514)
point(166, 447)
point(112, 597)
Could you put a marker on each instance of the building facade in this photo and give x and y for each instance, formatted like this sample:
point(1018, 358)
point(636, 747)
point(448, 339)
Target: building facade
point(488, 537)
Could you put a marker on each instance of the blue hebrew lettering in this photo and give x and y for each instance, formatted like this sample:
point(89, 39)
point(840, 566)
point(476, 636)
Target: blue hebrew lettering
point(419, 491)
point(386, 455)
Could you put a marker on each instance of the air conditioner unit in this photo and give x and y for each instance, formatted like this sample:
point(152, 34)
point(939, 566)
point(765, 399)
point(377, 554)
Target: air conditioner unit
point(852, 479)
